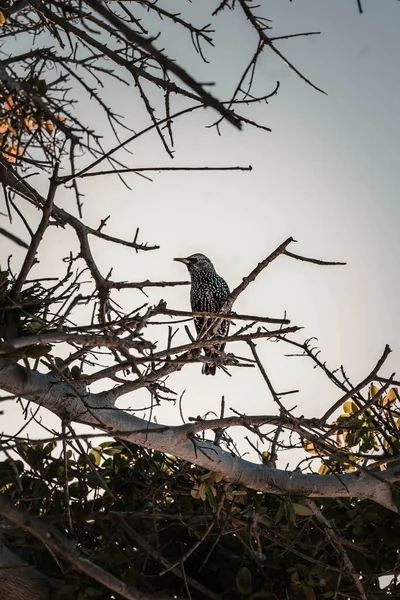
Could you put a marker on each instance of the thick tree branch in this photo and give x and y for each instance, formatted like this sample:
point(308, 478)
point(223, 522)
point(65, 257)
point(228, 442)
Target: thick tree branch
point(96, 410)
point(53, 539)
point(20, 581)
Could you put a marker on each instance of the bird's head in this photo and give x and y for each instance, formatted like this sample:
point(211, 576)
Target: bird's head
point(197, 263)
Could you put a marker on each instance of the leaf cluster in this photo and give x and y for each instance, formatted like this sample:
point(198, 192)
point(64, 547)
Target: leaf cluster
point(134, 512)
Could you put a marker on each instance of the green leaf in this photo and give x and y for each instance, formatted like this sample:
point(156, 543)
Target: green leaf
point(93, 481)
point(38, 350)
point(75, 372)
point(301, 510)
point(391, 396)
point(41, 86)
point(280, 513)
point(303, 571)
point(67, 592)
point(93, 592)
point(244, 581)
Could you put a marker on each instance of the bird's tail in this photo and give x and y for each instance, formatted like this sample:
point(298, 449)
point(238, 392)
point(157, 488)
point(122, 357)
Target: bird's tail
point(208, 369)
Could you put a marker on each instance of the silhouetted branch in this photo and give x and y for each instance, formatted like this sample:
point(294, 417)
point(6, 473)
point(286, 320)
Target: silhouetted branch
point(315, 261)
point(13, 238)
point(161, 169)
point(373, 375)
point(53, 539)
point(256, 271)
point(37, 238)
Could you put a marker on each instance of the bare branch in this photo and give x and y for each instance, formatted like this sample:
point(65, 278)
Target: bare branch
point(37, 238)
point(164, 61)
point(315, 261)
point(162, 169)
point(373, 375)
point(13, 238)
point(256, 271)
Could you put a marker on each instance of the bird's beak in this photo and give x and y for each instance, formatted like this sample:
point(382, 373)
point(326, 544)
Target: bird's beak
point(185, 261)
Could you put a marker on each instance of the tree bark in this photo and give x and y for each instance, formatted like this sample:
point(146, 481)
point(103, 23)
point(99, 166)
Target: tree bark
point(75, 403)
point(20, 581)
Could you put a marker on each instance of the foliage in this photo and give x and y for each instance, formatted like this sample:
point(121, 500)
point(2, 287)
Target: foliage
point(133, 512)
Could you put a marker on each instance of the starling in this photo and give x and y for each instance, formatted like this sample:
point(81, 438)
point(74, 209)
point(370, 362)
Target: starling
point(207, 294)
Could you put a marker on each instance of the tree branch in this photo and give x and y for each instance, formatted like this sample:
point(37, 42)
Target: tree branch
point(164, 61)
point(98, 410)
point(53, 539)
point(37, 238)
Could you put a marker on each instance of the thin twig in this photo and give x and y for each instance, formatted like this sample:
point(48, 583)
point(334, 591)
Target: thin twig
point(335, 540)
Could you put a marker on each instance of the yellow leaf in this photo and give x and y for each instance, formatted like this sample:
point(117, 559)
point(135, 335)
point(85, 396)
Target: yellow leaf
point(11, 153)
point(390, 397)
point(342, 417)
point(12, 130)
point(49, 126)
point(373, 390)
point(294, 579)
point(324, 469)
point(266, 456)
point(8, 157)
point(95, 456)
point(309, 593)
point(2, 19)
point(30, 122)
point(350, 468)
point(9, 103)
point(212, 477)
point(309, 447)
point(339, 439)
point(203, 491)
point(212, 490)
point(194, 492)
point(350, 407)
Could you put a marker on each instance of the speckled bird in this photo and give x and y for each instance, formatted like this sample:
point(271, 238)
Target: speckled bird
point(207, 294)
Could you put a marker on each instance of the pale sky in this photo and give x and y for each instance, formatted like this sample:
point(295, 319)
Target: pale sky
point(328, 175)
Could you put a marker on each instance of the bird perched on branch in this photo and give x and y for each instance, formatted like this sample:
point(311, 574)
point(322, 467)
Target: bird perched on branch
point(207, 294)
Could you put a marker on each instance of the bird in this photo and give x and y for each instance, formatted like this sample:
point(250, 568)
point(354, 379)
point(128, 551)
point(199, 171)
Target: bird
point(208, 293)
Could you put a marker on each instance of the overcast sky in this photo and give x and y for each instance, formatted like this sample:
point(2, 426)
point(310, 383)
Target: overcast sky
point(327, 174)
